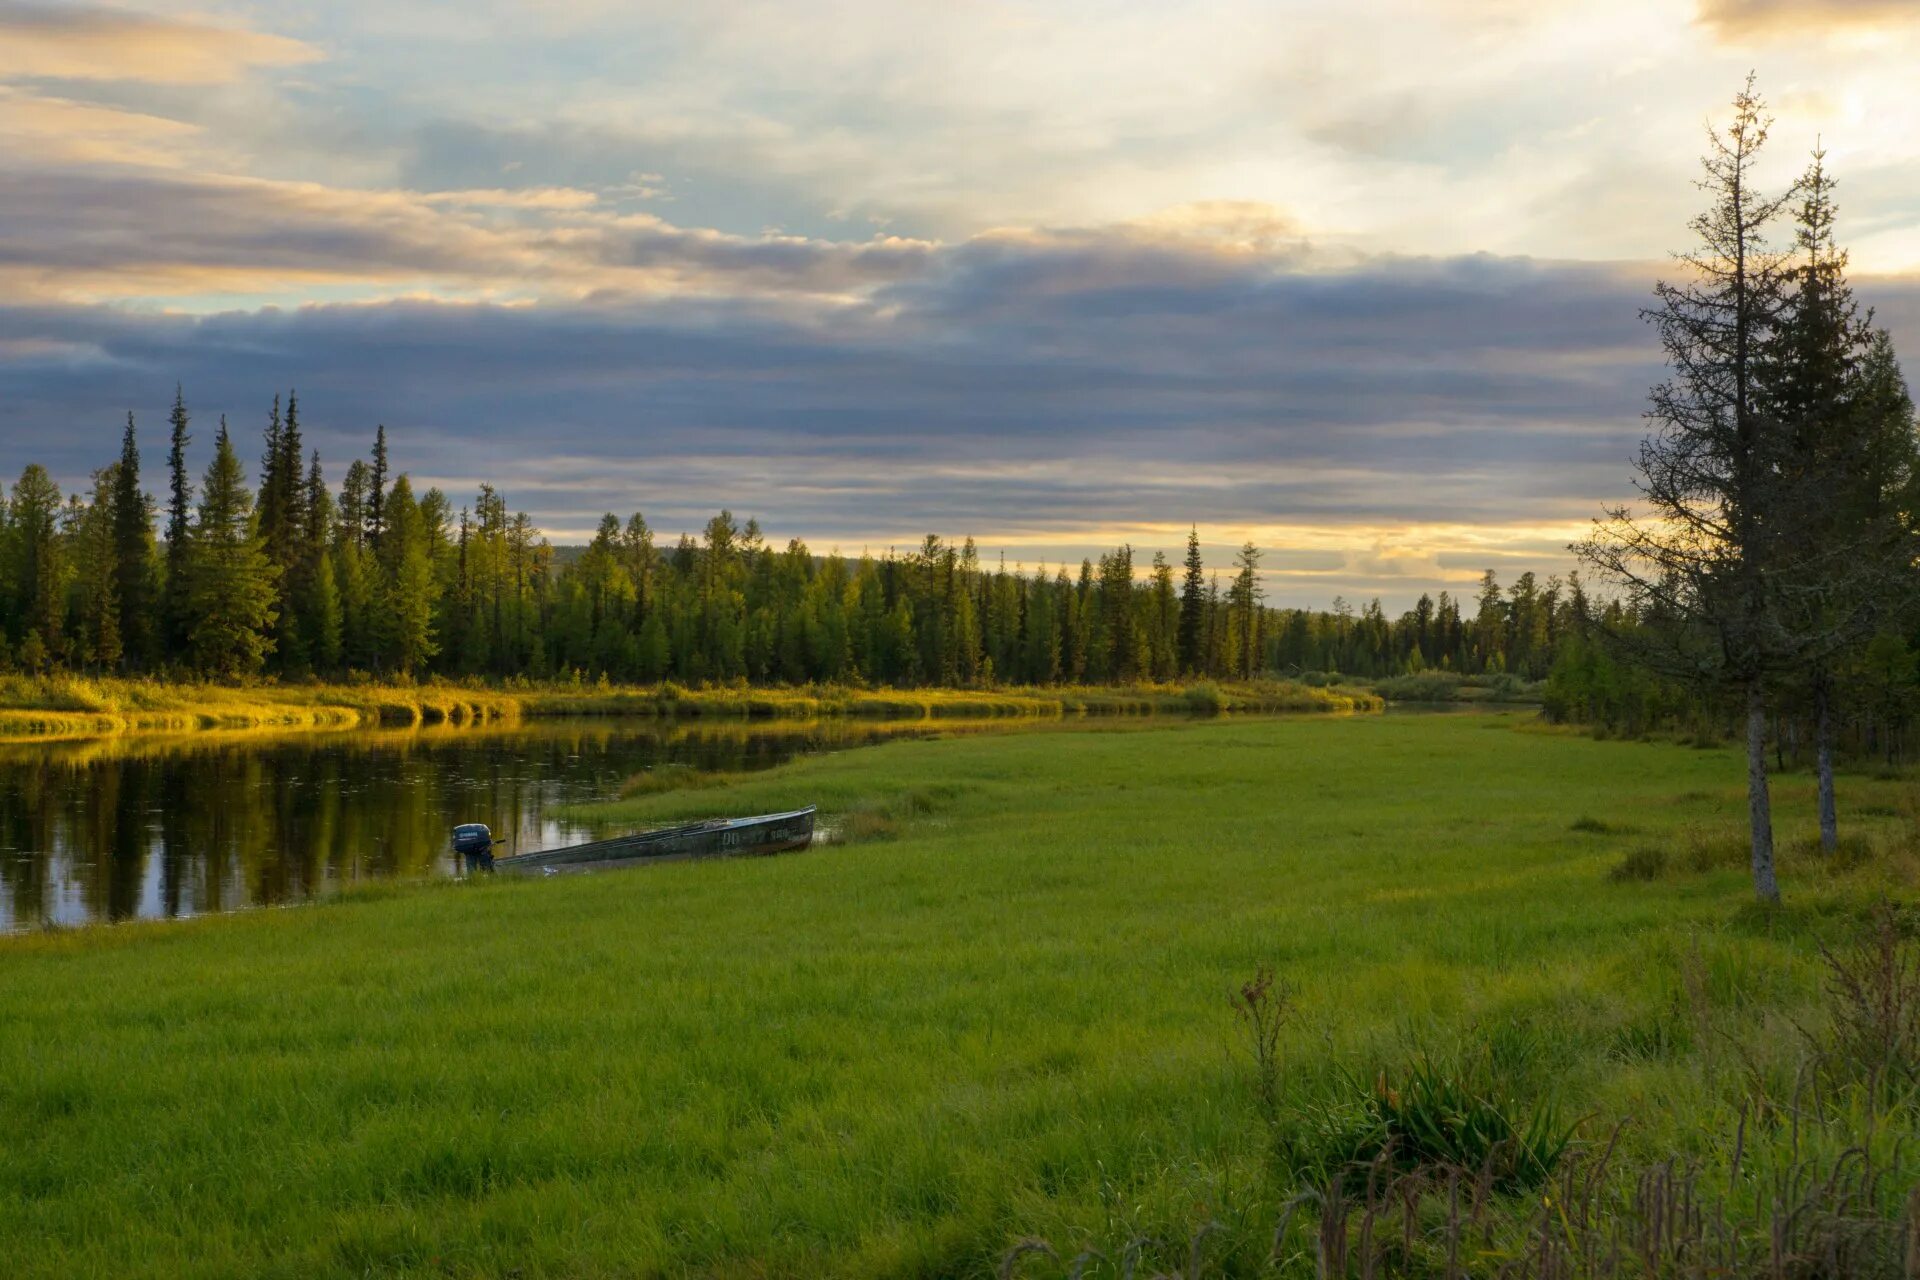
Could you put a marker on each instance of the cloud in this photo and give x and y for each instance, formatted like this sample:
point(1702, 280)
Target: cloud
point(60, 131)
point(1740, 19)
point(549, 198)
point(81, 42)
point(82, 234)
point(1039, 388)
point(1385, 423)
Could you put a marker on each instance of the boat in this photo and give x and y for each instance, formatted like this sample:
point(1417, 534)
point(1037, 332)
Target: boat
point(720, 838)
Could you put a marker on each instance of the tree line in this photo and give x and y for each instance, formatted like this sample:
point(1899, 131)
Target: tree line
point(293, 578)
point(1771, 567)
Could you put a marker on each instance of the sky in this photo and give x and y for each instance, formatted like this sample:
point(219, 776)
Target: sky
point(1360, 283)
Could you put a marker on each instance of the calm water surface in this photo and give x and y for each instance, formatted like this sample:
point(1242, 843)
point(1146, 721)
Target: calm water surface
point(143, 827)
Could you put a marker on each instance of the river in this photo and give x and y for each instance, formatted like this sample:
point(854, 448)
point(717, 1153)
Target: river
point(152, 827)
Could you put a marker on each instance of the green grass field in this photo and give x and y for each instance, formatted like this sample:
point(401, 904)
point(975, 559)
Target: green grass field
point(1000, 1009)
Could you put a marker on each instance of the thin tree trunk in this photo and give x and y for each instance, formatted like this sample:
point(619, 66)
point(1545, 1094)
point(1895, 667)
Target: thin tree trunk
point(1759, 802)
point(1823, 755)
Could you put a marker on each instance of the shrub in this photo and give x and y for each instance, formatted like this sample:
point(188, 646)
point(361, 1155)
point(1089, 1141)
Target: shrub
point(1645, 862)
point(1707, 849)
point(1427, 686)
point(1205, 699)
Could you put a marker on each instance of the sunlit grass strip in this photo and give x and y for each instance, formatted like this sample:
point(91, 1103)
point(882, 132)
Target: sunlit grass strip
point(53, 708)
point(49, 708)
point(829, 700)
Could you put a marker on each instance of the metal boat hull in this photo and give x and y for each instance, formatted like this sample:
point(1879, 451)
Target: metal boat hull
point(724, 838)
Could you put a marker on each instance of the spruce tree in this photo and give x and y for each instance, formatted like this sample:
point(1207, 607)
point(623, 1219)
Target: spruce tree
point(409, 590)
point(1711, 553)
point(36, 568)
point(1245, 597)
point(230, 579)
point(269, 504)
point(288, 547)
point(1119, 659)
point(293, 480)
point(173, 610)
point(133, 584)
point(92, 539)
point(1193, 609)
point(1848, 467)
point(319, 592)
point(353, 503)
point(377, 487)
point(1165, 613)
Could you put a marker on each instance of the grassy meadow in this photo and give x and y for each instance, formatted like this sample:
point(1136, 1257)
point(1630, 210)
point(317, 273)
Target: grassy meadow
point(999, 1008)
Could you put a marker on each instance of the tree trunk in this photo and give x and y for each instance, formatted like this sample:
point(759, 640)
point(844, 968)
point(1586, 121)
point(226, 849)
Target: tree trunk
point(1759, 803)
point(1823, 756)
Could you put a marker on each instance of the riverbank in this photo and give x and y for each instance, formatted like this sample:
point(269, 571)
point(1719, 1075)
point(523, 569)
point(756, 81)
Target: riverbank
point(59, 707)
point(998, 1009)
point(53, 708)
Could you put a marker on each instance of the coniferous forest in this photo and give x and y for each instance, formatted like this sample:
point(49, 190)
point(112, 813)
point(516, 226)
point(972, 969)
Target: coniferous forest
point(294, 577)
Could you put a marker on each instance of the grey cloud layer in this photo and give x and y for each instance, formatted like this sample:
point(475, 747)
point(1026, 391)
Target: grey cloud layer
point(1135, 382)
point(66, 227)
point(1043, 388)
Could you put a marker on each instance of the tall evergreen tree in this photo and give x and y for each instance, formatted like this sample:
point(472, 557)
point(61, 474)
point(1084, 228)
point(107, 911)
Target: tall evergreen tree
point(377, 487)
point(36, 568)
point(354, 500)
point(1193, 608)
point(1712, 551)
point(320, 620)
point(1163, 658)
point(92, 540)
point(269, 499)
point(173, 609)
point(1245, 607)
point(133, 583)
point(1848, 470)
point(410, 591)
point(230, 578)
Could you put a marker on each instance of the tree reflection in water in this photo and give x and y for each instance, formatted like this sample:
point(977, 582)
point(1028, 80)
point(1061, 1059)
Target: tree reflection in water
point(115, 829)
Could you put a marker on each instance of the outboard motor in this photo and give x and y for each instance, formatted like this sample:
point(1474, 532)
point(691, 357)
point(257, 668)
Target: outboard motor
point(474, 843)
